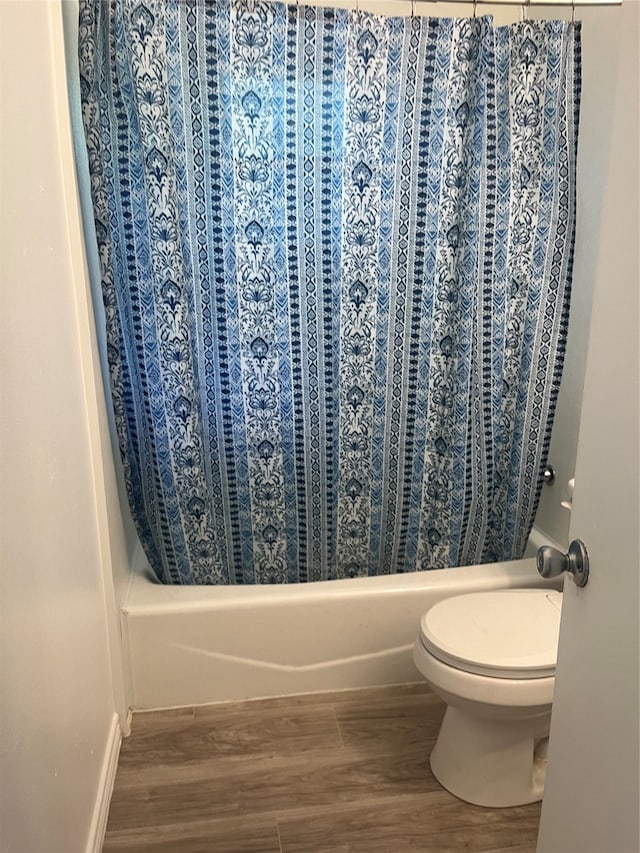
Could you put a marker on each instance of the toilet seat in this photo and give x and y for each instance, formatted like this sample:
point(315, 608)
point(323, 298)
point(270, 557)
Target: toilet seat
point(502, 634)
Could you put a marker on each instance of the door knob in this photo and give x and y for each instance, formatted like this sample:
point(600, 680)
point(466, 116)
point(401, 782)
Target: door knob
point(551, 562)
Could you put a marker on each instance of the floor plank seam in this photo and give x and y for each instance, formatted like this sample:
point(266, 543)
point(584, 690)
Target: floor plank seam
point(338, 726)
point(241, 766)
point(376, 801)
point(279, 814)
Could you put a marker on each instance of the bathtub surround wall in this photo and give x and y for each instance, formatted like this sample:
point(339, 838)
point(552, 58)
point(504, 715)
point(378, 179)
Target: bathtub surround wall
point(336, 256)
point(600, 49)
point(119, 514)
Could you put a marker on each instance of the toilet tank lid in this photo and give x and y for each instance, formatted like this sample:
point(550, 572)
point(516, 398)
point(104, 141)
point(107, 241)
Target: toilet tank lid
point(510, 632)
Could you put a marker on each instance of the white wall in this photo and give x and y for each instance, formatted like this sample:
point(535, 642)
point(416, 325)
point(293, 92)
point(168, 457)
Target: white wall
point(62, 685)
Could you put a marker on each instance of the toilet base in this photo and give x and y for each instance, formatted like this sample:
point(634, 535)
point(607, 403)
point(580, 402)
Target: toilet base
point(491, 762)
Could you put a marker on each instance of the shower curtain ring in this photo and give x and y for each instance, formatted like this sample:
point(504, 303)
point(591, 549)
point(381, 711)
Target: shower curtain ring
point(573, 11)
point(475, 8)
point(413, 9)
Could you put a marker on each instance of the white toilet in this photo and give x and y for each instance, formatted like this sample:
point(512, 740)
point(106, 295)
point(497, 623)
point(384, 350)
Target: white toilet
point(491, 656)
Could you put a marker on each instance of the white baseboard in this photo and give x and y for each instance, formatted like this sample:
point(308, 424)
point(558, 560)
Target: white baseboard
point(127, 724)
point(105, 788)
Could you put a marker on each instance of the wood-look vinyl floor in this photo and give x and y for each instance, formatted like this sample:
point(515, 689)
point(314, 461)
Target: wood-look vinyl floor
point(340, 772)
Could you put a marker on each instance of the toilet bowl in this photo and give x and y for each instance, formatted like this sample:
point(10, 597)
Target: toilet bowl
point(491, 656)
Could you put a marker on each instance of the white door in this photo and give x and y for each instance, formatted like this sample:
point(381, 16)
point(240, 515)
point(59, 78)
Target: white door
point(591, 799)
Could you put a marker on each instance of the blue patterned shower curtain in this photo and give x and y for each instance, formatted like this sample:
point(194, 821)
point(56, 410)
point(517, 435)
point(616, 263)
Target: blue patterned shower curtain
point(336, 257)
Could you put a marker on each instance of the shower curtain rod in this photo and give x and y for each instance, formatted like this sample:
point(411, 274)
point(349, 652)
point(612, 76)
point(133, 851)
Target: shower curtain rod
point(525, 4)
point(568, 4)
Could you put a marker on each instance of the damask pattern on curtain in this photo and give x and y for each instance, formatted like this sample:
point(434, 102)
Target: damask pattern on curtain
point(336, 255)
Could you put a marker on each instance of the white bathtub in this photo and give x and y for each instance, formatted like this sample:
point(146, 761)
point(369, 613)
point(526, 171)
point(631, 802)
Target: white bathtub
point(201, 644)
